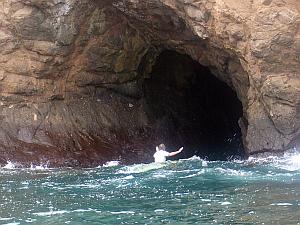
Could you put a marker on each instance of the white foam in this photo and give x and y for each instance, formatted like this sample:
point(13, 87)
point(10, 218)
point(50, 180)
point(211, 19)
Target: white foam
point(254, 160)
point(9, 165)
point(194, 175)
point(231, 172)
point(39, 167)
point(3, 219)
point(204, 163)
point(159, 175)
point(123, 212)
point(159, 210)
point(290, 162)
point(111, 163)
point(226, 203)
point(128, 177)
point(83, 210)
point(189, 176)
point(14, 165)
point(282, 204)
point(193, 158)
point(50, 213)
point(11, 223)
point(141, 168)
point(205, 200)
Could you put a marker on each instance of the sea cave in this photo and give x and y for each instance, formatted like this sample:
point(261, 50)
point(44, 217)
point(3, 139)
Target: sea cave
point(192, 108)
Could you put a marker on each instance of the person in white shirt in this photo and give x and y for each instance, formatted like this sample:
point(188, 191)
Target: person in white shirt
point(161, 153)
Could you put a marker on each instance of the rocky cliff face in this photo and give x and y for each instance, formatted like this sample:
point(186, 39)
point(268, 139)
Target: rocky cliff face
point(72, 73)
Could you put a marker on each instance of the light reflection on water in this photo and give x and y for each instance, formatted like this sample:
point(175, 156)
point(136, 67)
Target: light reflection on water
point(184, 192)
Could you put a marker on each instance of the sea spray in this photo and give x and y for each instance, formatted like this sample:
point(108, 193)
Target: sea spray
point(190, 191)
point(110, 164)
point(9, 165)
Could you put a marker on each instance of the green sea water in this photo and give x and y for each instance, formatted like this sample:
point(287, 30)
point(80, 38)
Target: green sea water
point(192, 191)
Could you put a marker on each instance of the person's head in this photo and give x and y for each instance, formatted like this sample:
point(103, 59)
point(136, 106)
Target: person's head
point(162, 147)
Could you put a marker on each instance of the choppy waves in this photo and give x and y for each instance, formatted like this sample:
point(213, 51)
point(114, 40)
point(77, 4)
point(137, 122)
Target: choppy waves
point(188, 191)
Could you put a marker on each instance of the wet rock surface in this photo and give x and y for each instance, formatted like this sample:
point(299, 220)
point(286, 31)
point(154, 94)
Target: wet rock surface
point(72, 73)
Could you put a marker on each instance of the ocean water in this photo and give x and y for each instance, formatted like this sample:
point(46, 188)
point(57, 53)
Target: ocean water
point(191, 191)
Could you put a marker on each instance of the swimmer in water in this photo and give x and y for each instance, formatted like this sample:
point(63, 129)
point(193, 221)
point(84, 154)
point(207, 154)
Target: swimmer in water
point(161, 153)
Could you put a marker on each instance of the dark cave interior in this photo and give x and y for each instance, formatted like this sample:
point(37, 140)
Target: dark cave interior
point(190, 107)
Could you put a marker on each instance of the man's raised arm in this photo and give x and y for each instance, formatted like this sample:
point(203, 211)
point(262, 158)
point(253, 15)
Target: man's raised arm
point(175, 153)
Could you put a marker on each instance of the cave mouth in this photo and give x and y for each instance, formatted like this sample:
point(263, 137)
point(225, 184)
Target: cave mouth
point(190, 107)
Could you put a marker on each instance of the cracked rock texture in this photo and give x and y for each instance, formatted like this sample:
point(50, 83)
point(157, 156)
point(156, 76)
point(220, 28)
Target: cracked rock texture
point(71, 73)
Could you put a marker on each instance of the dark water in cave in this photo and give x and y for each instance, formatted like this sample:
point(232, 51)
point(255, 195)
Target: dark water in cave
point(191, 191)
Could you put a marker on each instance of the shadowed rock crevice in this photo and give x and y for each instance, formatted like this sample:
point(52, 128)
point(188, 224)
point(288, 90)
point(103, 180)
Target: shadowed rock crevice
point(193, 108)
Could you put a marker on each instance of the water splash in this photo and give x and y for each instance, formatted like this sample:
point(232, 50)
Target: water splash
point(110, 164)
point(10, 165)
point(39, 167)
point(290, 162)
point(141, 168)
point(188, 191)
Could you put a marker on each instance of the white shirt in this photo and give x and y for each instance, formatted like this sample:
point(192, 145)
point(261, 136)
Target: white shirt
point(160, 156)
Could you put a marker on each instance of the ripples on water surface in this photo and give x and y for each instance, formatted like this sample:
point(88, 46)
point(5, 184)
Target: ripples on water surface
point(189, 191)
